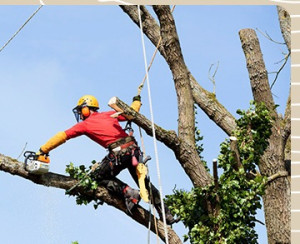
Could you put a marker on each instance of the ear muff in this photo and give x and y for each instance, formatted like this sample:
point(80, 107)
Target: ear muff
point(85, 111)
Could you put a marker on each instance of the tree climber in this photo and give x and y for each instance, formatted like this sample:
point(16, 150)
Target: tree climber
point(104, 129)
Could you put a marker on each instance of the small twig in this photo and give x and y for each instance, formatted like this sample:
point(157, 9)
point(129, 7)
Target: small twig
point(285, 58)
point(277, 175)
point(212, 78)
point(269, 38)
point(22, 151)
point(281, 68)
point(258, 221)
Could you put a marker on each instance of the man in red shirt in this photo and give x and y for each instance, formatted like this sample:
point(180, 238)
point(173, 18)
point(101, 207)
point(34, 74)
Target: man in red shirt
point(104, 129)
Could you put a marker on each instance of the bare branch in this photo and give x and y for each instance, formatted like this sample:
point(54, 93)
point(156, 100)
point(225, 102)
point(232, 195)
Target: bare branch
point(21, 153)
point(150, 26)
point(285, 25)
point(266, 35)
point(204, 99)
point(212, 77)
point(140, 215)
point(257, 70)
point(277, 175)
point(286, 58)
point(180, 72)
point(211, 106)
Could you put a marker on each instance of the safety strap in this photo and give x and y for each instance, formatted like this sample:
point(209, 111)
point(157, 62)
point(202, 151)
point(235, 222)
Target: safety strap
point(128, 128)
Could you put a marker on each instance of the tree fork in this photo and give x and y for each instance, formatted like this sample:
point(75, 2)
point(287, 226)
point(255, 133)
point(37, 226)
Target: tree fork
point(215, 111)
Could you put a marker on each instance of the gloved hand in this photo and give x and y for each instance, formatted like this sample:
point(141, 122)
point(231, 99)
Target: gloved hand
point(41, 152)
point(136, 104)
point(43, 157)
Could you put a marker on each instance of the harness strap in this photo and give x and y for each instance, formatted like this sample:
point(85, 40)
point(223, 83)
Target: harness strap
point(121, 143)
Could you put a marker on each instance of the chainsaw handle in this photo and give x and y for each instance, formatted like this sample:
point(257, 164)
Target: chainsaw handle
point(29, 155)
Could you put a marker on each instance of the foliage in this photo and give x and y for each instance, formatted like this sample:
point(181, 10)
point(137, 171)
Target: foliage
point(224, 212)
point(86, 181)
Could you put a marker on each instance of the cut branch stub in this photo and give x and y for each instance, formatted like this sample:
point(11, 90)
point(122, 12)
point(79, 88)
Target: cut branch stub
point(234, 149)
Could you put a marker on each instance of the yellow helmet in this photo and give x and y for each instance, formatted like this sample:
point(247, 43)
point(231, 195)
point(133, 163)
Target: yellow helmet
point(89, 101)
point(84, 105)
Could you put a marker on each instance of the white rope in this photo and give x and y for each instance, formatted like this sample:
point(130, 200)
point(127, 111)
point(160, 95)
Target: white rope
point(17, 32)
point(153, 129)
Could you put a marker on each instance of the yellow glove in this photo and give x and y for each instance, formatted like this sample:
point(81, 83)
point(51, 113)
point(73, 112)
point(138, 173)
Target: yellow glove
point(136, 104)
point(141, 171)
point(41, 156)
point(54, 142)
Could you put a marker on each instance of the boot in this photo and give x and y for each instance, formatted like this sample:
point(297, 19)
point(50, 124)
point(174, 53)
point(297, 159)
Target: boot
point(132, 198)
point(169, 217)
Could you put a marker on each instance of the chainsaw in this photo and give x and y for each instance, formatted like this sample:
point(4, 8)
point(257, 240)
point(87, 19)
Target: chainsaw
point(36, 164)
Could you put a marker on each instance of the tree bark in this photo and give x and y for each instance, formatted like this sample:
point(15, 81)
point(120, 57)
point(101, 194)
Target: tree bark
point(277, 199)
point(170, 42)
point(140, 215)
point(257, 71)
point(285, 25)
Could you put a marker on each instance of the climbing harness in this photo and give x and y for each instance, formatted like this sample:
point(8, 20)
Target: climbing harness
point(17, 32)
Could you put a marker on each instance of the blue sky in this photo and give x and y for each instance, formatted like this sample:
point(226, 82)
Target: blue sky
point(65, 52)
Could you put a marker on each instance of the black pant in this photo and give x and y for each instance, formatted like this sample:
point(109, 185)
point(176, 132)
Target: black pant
point(113, 164)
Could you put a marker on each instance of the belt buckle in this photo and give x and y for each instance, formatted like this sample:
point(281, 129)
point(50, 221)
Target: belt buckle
point(117, 149)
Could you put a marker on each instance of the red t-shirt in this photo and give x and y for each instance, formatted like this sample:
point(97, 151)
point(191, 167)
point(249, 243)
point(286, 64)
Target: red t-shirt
point(100, 127)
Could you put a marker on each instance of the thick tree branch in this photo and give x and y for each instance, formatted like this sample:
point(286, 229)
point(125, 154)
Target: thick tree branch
point(208, 102)
point(150, 26)
point(140, 215)
point(257, 70)
point(174, 58)
point(204, 99)
point(285, 25)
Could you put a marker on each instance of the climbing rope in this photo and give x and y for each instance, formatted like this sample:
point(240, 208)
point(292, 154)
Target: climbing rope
point(17, 32)
point(151, 208)
point(153, 128)
point(151, 62)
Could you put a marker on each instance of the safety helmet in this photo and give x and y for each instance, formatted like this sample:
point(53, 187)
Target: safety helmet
point(84, 105)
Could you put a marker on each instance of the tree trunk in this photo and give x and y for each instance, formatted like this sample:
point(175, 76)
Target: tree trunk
point(277, 198)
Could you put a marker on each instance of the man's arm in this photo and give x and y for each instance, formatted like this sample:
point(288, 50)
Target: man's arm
point(54, 142)
point(61, 137)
